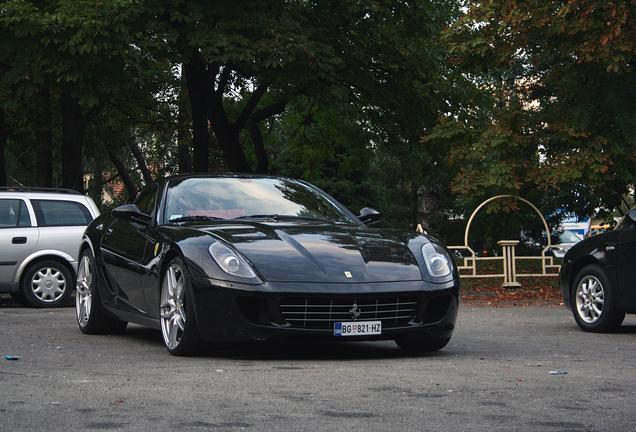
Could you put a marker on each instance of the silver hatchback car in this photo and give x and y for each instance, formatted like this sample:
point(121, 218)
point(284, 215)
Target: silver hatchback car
point(40, 233)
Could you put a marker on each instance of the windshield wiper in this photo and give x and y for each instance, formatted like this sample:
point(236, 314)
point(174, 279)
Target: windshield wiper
point(257, 216)
point(309, 218)
point(195, 218)
point(277, 217)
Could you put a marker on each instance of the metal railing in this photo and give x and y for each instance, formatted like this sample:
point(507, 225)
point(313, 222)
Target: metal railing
point(509, 264)
point(508, 258)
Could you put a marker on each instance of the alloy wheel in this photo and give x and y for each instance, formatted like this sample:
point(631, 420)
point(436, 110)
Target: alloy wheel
point(83, 295)
point(590, 299)
point(173, 313)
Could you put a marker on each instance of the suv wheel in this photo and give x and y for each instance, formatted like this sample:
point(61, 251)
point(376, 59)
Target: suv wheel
point(47, 284)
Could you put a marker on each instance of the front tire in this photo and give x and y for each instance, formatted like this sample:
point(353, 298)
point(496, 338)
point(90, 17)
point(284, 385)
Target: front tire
point(91, 316)
point(593, 307)
point(47, 284)
point(421, 343)
point(178, 324)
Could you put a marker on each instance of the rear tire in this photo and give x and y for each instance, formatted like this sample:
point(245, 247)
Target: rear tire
point(593, 303)
point(91, 315)
point(47, 284)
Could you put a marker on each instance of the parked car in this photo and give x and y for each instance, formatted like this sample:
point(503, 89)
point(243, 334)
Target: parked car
point(245, 257)
point(40, 233)
point(597, 278)
point(566, 240)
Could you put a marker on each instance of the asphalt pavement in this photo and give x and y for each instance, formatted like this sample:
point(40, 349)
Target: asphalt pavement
point(505, 369)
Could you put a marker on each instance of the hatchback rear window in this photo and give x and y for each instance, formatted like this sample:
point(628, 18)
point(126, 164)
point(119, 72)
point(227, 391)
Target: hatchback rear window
point(61, 213)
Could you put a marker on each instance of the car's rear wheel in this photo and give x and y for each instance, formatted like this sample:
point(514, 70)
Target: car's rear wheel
point(178, 324)
point(47, 284)
point(421, 343)
point(593, 307)
point(91, 316)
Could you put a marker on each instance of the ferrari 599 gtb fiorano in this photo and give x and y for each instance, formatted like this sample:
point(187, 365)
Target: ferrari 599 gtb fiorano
point(231, 257)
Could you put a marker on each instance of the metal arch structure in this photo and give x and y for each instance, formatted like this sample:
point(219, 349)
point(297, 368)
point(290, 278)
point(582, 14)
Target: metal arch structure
point(470, 221)
point(509, 259)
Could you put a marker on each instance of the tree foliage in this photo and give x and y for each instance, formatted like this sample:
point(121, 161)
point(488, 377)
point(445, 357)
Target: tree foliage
point(553, 100)
point(79, 54)
point(341, 90)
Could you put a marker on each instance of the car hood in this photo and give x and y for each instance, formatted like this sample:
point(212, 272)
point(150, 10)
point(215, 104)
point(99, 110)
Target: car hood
point(319, 252)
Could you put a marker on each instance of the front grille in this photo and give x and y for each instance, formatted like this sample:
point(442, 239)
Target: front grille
point(322, 313)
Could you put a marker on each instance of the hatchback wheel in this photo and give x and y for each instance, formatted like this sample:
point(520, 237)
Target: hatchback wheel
point(593, 306)
point(47, 284)
point(178, 325)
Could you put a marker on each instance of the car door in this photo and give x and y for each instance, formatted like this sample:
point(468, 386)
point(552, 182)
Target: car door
point(61, 224)
point(123, 247)
point(18, 236)
point(626, 264)
point(123, 250)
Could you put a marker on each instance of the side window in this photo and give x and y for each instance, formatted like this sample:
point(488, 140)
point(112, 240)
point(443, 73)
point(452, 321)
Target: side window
point(61, 213)
point(146, 199)
point(14, 213)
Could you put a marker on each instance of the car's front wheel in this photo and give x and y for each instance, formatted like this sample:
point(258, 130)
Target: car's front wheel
point(178, 324)
point(91, 317)
point(593, 307)
point(421, 343)
point(47, 284)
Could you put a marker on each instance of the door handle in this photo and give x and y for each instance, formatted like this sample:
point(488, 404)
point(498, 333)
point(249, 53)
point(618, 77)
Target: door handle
point(19, 240)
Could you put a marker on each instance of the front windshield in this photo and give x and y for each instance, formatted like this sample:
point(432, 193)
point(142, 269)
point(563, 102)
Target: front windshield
point(236, 197)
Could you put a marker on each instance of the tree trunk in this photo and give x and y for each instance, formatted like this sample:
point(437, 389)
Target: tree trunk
point(257, 137)
point(183, 130)
point(71, 140)
point(44, 161)
point(73, 124)
point(259, 147)
point(196, 80)
point(141, 162)
point(228, 138)
point(4, 136)
point(44, 153)
point(96, 188)
point(205, 98)
point(123, 173)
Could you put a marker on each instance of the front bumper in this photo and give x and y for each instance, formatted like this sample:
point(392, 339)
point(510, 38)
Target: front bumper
point(308, 310)
point(564, 283)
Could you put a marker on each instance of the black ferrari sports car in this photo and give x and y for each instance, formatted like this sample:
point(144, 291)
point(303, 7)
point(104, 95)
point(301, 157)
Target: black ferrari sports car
point(597, 278)
point(232, 257)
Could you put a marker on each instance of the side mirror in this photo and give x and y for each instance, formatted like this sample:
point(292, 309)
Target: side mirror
point(131, 213)
point(631, 216)
point(369, 216)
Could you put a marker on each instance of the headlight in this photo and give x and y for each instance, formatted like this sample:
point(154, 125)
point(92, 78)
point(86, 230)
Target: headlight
point(230, 262)
point(436, 259)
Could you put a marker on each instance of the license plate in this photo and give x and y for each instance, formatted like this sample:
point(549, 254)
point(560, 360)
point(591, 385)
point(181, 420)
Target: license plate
point(362, 328)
